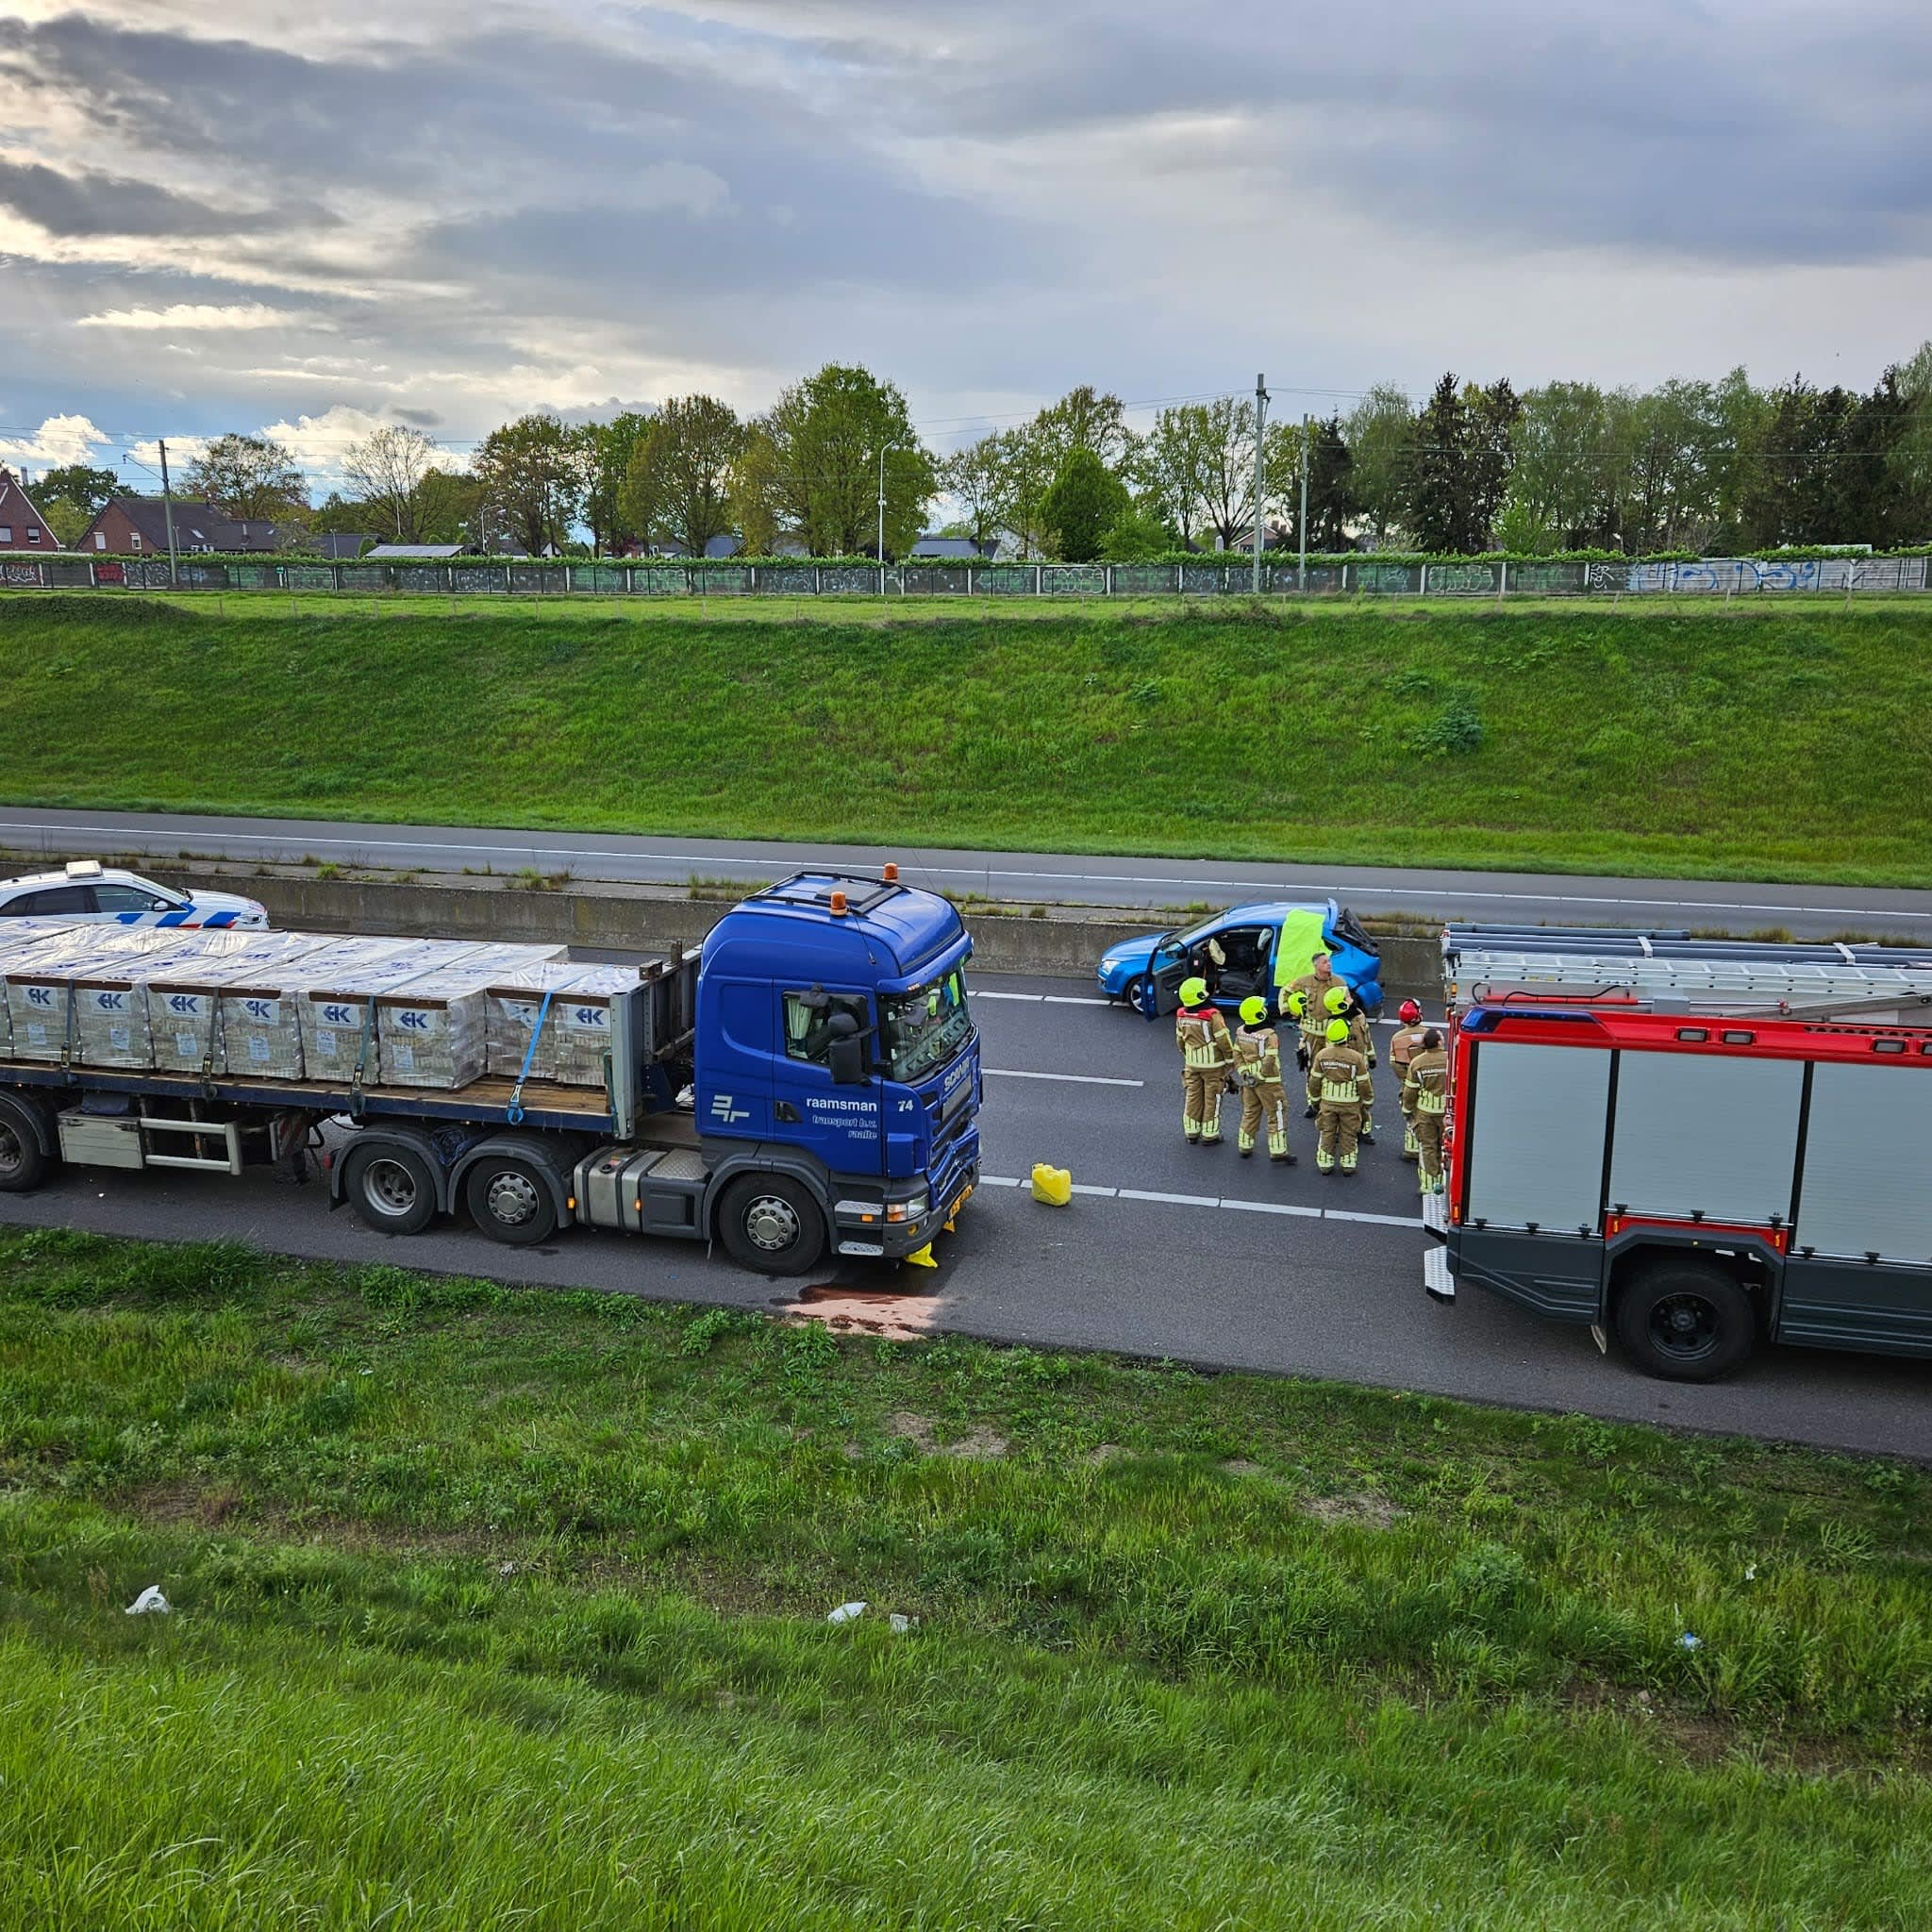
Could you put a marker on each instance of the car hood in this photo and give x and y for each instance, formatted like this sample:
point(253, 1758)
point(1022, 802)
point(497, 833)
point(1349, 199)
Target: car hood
point(1130, 955)
point(222, 902)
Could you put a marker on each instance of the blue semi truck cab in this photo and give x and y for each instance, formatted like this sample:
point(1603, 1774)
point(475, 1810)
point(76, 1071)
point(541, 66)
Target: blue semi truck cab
point(822, 1036)
point(837, 1074)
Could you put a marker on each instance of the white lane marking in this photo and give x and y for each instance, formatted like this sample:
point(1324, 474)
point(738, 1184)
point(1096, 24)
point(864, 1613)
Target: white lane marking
point(980, 992)
point(1226, 1202)
point(1070, 999)
point(1076, 1079)
point(1398, 895)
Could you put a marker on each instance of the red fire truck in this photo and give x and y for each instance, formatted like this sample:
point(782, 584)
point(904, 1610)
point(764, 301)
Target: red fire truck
point(1695, 1183)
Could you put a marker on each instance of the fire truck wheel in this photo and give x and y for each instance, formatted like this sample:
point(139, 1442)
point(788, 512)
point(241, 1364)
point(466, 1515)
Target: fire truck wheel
point(22, 1166)
point(1686, 1322)
point(772, 1224)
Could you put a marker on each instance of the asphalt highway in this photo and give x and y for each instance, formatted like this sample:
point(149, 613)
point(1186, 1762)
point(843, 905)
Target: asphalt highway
point(1166, 1251)
point(1515, 898)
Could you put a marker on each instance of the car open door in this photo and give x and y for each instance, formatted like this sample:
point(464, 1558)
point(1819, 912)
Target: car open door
point(1160, 990)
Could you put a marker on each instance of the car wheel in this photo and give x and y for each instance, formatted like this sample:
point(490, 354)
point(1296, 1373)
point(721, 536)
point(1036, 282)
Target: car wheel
point(770, 1222)
point(1686, 1322)
point(390, 1188)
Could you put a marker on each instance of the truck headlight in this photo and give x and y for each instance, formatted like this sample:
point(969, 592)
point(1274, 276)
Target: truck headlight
point(913, 1209)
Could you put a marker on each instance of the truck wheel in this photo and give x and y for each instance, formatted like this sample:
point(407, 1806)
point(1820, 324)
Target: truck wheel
point(390, 1188)
point(1686, 1322)
point(22, 1166)
point(772, 1224)
point(509, 1201)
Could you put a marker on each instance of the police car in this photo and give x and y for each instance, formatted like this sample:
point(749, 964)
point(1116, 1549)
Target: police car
point(88, 892)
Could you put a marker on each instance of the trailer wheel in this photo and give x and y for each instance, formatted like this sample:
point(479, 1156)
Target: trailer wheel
point(22, 1166)
point(509, 1201)
point(390, 1188)
point(772, 1224)
point(1686, 1322)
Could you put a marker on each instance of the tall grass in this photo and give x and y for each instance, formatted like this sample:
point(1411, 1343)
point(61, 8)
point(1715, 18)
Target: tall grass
point(498, 1608)
point(1774, 744)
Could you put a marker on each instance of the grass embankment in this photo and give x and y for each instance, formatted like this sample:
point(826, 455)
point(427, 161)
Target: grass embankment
point(498, 1608)
point(1775, 743)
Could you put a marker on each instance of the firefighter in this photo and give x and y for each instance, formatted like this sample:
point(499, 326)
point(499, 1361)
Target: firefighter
point(1425, 1098)
point(1339, 1081)
point(1315, 987)
point(1206, 1052)
point(1342, 1005)
point(1403, 1045)
point(1257, 1077)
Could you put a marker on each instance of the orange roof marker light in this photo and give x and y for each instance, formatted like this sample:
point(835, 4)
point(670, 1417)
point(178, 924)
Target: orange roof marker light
point(892, 873)
point(838, 906)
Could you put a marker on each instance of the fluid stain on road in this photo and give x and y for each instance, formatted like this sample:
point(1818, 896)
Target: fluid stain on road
point(894, 1315)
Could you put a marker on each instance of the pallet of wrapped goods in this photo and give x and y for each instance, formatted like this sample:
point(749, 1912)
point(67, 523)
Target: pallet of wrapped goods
point(229, 1013)
point(434, 1031)
point(574, 1029)
point(336, 1005)
point(18, 939)
point(77, 994)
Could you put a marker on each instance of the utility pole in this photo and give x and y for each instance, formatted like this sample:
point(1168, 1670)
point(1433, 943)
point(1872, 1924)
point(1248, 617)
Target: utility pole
point(168, 517)
point(1301, 575)
point(1260, 470)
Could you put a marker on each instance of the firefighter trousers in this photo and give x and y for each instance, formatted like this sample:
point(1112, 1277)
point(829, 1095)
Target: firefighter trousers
point(1340, 1126)
point(1201, 1092)
point(1428, 1141)
point(1264, 1104)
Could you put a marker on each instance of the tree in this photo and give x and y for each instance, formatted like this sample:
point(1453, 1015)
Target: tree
point(1082, 419)
point(1084, 501)
point(1910, 462)
point(1199, 463)
point(254, 479)
point(388, 467)
point(608, 450)
point(532, 478)
point(340, 516)
point(979, 477)
point(1557, 495)
point(86, 487)
point(65, 519)
point(1331, 486)
point(1381, 432)
point(827, 436)
point(1138, 536)
point(1493, 414)
point(753, 494)
point(678, 487)
point(1458, 469)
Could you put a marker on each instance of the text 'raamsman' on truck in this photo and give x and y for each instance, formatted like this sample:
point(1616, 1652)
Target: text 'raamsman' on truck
point(1693, 1145)
point(822, 1036)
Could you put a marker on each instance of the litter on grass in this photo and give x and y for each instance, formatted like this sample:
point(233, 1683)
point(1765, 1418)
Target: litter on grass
point(901, 1623)
point(149, 1603)
point(845, 1613)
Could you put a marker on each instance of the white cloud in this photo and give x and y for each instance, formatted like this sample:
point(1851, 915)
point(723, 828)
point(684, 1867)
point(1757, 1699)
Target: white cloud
point(180, 316)
point(60, 440)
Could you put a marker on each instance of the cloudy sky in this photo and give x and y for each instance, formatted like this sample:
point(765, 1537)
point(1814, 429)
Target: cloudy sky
point(317, 216)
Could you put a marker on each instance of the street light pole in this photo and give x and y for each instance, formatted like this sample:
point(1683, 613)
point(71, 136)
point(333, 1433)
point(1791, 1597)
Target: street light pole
point(1260, 470)
point(883, 448)
point(1301, 575)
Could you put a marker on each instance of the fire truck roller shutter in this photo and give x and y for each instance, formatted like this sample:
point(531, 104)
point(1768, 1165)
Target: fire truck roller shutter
point(1706, 1133)
point(1865, 1192)
point(1537, 1148)
point(1537, 1156)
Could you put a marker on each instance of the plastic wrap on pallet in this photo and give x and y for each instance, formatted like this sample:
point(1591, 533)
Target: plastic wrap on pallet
point(434, 1031)
point(338, 1032)
point(229, 1013)
point(576, 1026)
point(77, 994)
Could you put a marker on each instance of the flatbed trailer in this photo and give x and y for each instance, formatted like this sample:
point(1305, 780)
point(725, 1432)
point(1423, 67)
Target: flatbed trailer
point(811, 1081)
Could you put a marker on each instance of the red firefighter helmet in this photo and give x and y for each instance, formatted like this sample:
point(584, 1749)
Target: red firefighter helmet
point(1410, 1013)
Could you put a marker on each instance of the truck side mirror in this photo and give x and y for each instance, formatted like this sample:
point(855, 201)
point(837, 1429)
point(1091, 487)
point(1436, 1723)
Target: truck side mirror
point(845, 1062)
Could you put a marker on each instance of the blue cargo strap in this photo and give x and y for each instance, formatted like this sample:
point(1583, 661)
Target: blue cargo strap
point(515, 1115)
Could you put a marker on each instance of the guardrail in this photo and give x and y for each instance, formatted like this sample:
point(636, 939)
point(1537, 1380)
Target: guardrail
point(1726, 577)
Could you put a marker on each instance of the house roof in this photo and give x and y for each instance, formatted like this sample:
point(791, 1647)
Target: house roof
point(17, 510)
point(945, 546)
point(433, 552)
point(348, 543)
point(198, 526)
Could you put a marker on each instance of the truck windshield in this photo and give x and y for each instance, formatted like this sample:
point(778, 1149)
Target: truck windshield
point(922, 1028)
